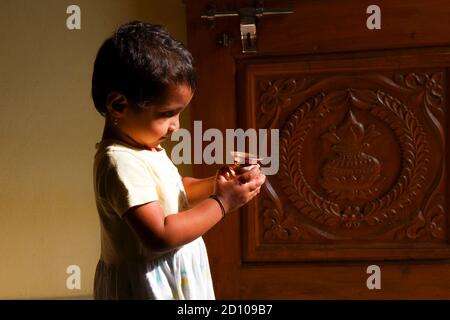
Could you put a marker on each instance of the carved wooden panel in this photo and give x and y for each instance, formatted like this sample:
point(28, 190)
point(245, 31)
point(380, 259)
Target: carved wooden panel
point(362, 159)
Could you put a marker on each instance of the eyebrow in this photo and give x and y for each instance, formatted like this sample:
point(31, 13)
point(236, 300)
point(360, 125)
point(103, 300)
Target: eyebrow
point(170, 108)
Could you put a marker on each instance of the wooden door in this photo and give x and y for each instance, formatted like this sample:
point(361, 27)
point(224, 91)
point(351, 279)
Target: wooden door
point(362, 116)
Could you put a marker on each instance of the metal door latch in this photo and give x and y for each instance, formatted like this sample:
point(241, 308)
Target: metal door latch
point(248, 18)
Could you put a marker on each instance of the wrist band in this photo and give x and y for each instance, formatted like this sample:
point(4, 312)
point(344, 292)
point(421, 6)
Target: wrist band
point(215, 197)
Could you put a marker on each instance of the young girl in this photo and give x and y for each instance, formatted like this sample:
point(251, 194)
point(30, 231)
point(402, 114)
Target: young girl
point(152, 220)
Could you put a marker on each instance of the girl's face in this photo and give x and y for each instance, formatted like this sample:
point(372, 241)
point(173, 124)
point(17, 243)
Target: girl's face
point(151, 126)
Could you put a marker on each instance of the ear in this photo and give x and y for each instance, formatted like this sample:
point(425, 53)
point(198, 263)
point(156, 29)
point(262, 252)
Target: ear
point(116, 104)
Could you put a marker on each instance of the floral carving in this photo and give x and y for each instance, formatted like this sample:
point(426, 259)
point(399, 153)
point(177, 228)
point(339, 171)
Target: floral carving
point(276, 96)
point(415, 154)
point(326, 212)
point(275, 229)
point(292, 137)
point(429, 223)
point(432, 84)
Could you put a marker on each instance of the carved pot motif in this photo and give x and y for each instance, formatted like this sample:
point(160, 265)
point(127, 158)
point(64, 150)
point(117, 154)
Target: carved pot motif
point(351, 174)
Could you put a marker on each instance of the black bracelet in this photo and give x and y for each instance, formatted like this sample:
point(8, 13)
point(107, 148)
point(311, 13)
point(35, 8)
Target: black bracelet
point(215, 197)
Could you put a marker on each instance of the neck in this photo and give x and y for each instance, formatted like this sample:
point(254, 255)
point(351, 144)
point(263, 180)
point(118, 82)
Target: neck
point(113, 132)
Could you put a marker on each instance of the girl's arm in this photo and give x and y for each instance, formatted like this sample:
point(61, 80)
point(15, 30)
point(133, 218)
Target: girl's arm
point(198, 189)
point(162, 233)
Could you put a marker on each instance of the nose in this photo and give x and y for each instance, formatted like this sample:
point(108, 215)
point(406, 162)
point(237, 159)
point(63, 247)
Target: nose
point(174, 124)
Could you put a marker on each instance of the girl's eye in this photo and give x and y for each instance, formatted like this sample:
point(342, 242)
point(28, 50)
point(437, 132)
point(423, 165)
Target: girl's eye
point(168, 114)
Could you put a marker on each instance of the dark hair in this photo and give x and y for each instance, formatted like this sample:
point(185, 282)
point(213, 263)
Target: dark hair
point(140, 60)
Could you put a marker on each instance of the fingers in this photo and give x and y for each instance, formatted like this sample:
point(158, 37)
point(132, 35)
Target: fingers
point(222, 178)
point(242, 178)
point(237, 194)
point(256, 183)
point(224, 170)
point(254, 193)
point(249, 175)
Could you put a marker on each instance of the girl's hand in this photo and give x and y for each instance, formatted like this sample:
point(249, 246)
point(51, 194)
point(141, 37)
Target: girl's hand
point(236, 190)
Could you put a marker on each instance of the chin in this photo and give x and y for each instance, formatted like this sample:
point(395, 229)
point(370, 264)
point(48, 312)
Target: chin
point(154, 144)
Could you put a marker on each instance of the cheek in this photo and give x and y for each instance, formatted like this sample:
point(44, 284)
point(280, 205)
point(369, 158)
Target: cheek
point(158, 127)
point(142, 127)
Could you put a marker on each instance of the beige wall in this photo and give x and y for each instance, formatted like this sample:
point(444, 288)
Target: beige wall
point(48, 129)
